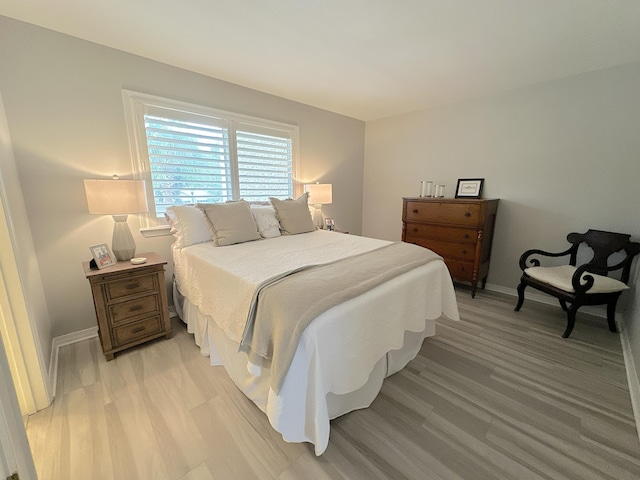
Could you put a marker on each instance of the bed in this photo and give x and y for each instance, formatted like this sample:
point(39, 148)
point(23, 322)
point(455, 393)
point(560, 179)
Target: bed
point(341, 358)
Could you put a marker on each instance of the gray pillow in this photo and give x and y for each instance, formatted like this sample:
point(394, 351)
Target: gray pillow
point(294, 215)
point(231, 222)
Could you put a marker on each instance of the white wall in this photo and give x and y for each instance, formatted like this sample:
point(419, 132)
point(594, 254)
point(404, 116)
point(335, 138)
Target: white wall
point(66, 118)
point(561, 156)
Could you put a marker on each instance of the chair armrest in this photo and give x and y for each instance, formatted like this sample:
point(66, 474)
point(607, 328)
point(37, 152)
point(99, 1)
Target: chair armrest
point(534, 262)
point(576, 280)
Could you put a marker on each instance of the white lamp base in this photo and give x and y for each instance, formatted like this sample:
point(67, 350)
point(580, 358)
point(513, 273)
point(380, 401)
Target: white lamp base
point(122, 244)
point(318, 221)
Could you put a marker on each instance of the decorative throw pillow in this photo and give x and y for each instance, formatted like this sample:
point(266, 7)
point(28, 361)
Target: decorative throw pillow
point(188, 225)
point(294, 215)
point(231, 222)
point(265, 217)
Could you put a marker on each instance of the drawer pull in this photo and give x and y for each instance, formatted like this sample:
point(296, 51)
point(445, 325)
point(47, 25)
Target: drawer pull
point(466, 235)
point(467, 214)
point(138, 329)
point(131, 286)
point(135, 308)
point(415, 210)
point(415, 229)
point(464, 252)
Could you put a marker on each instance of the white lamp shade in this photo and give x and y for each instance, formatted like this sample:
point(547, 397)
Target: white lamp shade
point(116, 197)
point(319, 193)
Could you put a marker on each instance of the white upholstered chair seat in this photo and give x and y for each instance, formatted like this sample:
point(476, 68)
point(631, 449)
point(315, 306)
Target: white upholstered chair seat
point(560, 277)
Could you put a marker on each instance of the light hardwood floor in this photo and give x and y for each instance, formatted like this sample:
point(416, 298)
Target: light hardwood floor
point(498, 395)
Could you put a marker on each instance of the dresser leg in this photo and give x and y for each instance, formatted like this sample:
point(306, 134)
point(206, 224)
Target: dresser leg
point(109, 356)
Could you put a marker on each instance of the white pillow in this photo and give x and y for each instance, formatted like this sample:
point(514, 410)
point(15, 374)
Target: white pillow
point(231, 222)
point(265, 217)
point(294, 215)
point(188, 225)
point(560, 277)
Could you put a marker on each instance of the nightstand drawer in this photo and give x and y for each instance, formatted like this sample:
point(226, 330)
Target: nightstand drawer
point(130, 286)
point(123, 311)
point(134, 331)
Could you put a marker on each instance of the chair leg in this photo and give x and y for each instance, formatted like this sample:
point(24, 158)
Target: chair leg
point(611, 314)
point(521, 288)
point(571, 320)
point(563, 305)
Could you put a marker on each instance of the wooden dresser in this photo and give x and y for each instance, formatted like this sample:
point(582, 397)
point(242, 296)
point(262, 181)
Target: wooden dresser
point(130, 302)
point(459, 230)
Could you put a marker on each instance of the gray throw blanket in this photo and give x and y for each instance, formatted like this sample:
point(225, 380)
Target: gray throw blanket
point(283, 306)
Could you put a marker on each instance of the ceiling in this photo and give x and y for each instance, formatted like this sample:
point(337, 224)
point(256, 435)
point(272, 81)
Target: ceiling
point(366, 59)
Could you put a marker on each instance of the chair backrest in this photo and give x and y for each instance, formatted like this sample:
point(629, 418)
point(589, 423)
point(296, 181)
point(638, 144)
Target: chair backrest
point(604, 244)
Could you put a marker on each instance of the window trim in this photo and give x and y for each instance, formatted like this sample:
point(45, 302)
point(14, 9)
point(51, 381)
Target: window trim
point(134, 105)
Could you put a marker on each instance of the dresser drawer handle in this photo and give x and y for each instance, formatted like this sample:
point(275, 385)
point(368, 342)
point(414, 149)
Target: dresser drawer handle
point(138, 329)
point(135, 308)
point(415, 229)
point(131, 286)
point(464, 252)
point(415, 210)
point(466, 235)
point(467, 214)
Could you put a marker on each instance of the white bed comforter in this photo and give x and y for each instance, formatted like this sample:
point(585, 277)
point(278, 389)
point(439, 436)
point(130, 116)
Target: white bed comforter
point(343, 355)
point(212, 276)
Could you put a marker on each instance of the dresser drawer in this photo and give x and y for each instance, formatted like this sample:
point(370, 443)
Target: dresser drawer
point(136, 330)
point(440, 232)
point(123, 311)
point(467, 214)
point(445, 249)
point(460, 270)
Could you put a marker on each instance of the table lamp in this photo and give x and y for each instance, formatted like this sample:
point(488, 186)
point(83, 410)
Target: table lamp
point(117, 198)
point(319, 194)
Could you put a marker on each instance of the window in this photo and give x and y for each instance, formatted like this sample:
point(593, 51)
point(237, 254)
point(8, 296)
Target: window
point(193, 154)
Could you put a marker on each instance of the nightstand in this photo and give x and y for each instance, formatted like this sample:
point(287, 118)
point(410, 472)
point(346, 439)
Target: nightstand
point(130, 302)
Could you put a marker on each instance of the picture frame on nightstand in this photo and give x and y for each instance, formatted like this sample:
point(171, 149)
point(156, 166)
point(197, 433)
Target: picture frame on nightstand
point(329, 224)
point(102, 255)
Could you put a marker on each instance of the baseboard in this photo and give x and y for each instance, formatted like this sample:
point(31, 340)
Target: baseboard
point(61, 341)
point(633, 379)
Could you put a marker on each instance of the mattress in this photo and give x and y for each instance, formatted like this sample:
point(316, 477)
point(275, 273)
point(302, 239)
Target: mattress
point(344, 354)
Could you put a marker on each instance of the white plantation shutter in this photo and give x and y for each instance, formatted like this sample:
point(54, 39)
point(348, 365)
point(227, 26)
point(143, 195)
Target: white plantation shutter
point(193, 154)
point(265, 163)
point(189, 162)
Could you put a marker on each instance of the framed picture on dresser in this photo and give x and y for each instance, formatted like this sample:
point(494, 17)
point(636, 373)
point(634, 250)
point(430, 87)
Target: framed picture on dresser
point(469, 187)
